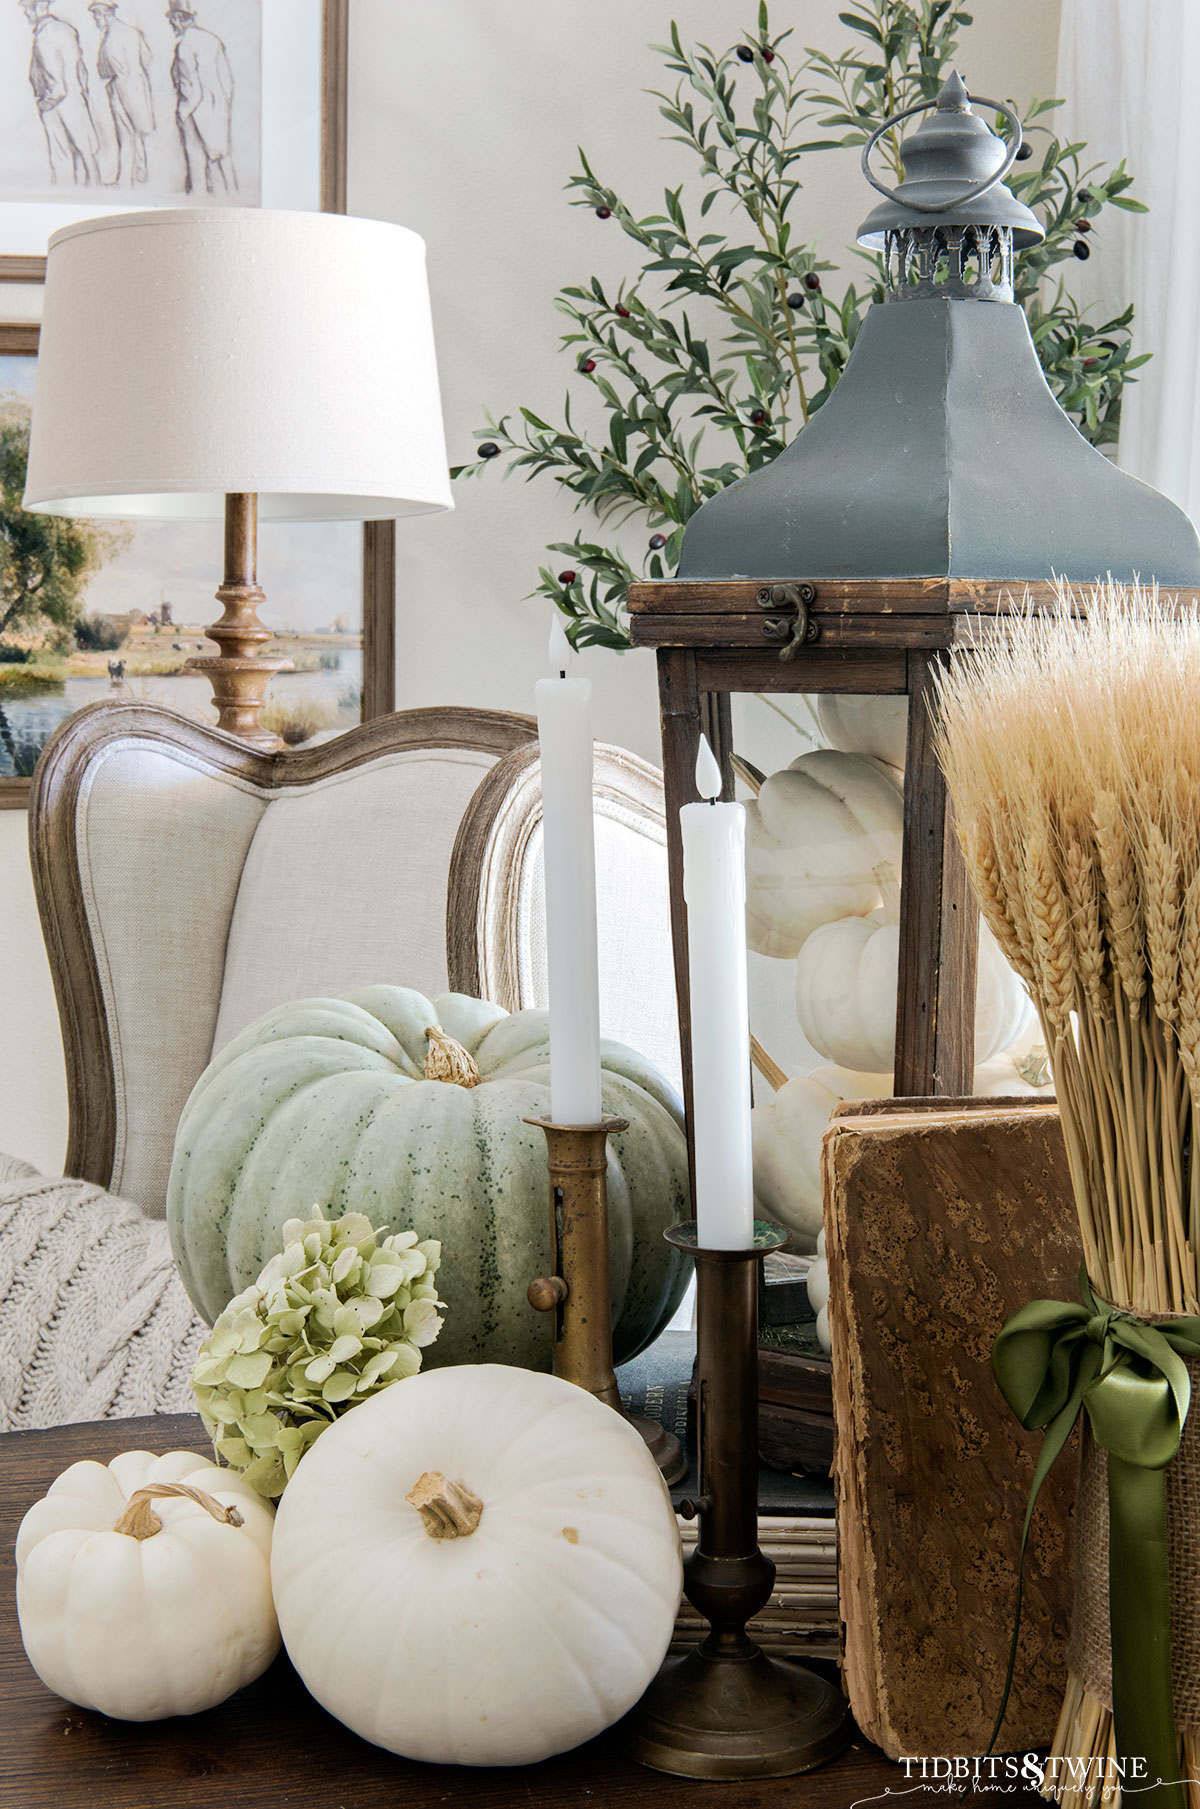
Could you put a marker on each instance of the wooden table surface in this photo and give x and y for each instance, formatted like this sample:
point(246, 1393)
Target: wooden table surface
point(271, 1746)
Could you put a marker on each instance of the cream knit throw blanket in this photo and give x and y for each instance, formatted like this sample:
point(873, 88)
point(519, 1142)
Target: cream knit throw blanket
point(94, 1322)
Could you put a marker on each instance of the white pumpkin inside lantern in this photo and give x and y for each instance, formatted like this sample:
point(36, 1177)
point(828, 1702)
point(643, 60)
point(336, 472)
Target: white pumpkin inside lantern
point(846, 978)
point(815, 834)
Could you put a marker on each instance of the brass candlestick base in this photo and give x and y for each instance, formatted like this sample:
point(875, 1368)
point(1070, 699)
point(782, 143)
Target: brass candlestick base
point(726, 1710)
point(238, 676)
point(579, 1292)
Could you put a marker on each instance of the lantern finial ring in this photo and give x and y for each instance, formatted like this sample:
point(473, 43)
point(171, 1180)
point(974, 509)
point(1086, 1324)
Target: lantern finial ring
point(968, 194)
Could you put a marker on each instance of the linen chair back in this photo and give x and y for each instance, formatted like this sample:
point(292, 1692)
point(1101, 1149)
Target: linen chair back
point(187, 883)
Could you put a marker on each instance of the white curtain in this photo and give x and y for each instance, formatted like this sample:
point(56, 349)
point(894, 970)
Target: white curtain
point(1130, 73)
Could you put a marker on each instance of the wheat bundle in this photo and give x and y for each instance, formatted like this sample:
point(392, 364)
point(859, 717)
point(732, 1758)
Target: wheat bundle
point(1070, 740)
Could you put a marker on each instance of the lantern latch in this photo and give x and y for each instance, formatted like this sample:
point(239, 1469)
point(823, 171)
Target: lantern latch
point(795, 630)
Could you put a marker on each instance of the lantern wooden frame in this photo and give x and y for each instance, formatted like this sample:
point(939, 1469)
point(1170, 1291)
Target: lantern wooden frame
point(881, 637)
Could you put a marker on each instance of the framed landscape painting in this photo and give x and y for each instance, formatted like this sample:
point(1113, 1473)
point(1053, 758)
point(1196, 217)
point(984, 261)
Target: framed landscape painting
point(92, 610)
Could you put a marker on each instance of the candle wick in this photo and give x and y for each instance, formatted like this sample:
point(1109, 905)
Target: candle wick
point(562, 675)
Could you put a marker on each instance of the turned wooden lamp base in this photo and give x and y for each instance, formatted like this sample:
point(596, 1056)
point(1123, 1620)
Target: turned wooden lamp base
point(238, 676)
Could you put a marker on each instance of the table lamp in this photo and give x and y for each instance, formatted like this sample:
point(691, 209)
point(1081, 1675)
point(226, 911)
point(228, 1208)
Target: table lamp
point(202, 362)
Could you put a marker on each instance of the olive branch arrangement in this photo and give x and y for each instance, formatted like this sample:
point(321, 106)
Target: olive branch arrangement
point(727, 335)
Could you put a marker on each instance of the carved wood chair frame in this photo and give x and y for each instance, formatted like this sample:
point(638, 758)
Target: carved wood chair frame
point(483, 895)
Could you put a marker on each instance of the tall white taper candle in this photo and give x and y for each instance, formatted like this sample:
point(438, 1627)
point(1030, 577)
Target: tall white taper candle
point(564, 713)
point(714, 888)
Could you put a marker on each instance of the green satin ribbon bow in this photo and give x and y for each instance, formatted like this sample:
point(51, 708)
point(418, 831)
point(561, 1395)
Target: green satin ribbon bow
point(1052, 1360)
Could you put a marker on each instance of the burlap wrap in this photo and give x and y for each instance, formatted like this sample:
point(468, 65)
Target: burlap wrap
point(1089, 1653)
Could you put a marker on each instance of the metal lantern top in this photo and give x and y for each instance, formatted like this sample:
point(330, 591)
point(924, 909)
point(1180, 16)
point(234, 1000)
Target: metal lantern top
point(954, 166)
point(942, 453)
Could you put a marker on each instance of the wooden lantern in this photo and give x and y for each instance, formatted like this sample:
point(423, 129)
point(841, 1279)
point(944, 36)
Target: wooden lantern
point(938, 485)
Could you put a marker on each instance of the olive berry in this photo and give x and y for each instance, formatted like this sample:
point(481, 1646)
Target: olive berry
point(604, 213)
point(622, 311)
point(1025, 152)
point(1083, 226)
point(1082, 252)
point(795, 300)
point(758, 416)
point(745, 54)
point(587, 364)
point(1084, 196)
point(657, 541)
point(812, 280)
point(489, 449)
point(567, 577)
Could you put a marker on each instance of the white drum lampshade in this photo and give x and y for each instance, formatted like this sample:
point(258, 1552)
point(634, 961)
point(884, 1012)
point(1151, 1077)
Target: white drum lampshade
point(237, 361)
point(190, 353)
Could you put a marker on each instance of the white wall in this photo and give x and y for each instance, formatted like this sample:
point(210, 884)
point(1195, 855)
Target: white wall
point(464, 122)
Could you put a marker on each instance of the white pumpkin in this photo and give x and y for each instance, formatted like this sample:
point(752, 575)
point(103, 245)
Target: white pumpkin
point(505, 1574)
point(142, 1601)
point(814, 836)
point(787, 1131)
point(865, 725)
point(846, 976)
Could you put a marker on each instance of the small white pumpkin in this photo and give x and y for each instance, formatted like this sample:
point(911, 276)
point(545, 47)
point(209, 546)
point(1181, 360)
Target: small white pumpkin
point(787, 1131)
point(814, 836)
point(846, 977)
point(505, 1575)
point(865, 725)
point(143, 1585)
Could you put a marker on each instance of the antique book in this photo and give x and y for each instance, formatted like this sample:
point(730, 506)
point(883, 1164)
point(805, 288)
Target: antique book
point(942, 1218)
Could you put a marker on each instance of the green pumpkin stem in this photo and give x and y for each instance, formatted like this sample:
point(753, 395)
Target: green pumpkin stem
point(449, 1509)
point(141, 1522)
point(1034, 1068)
point(448, 1060)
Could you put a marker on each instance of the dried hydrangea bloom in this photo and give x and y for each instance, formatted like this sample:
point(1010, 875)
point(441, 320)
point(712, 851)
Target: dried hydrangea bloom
point(338, 1314)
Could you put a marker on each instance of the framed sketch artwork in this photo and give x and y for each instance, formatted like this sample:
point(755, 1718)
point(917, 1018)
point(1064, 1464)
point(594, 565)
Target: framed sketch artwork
point(156, 102)
point(91, 609)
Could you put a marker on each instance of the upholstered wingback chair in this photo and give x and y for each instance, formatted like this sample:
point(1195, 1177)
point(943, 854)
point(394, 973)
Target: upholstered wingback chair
point(188, 883)
point(495, 912)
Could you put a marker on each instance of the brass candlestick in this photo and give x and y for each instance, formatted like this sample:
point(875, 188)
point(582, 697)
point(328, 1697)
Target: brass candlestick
point(579, 1292)
point(238, 675)
point(726, 1710)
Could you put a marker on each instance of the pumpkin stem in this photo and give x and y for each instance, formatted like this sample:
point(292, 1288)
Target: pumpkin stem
point(449, 1509)
point(889, 886)
point(1035, 1067)
point(141, 1522)
point(448, 1060)
point(770, 1070)
point(749, 775)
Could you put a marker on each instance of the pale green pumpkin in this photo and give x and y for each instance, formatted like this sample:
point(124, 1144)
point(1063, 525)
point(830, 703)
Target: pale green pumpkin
point(326, 1101)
